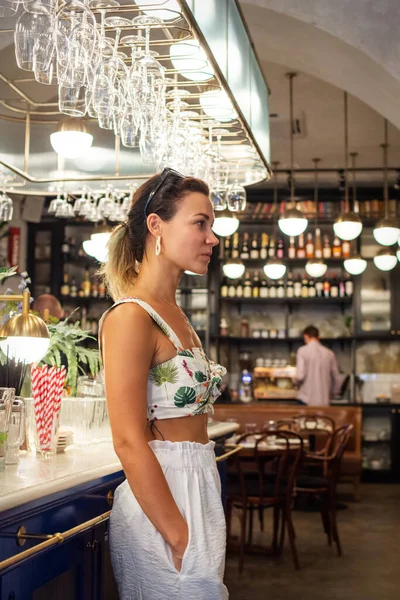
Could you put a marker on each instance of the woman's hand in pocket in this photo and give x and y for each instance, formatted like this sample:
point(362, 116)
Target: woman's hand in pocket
point(179, 549)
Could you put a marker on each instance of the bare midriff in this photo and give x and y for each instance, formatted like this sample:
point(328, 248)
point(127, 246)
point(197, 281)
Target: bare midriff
point(181, 429)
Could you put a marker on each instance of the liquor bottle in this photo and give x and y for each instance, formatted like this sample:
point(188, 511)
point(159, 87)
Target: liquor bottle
point(256, 286)
point(86, 284)
point(94, 290)
point(318, 244)
point(280, 289)
point(312, 292)
point(224, 288)
point(239, 289)
point(345, 248)
point(297, 287)
point(337, 248)
point(301, 251)
point(326, 250)
point(280, 249)
point(254, 252)
point(264, 246)
point(247, 291)
point(102, 290)
point(83, 317)
point(227, 247)
point(65, 286)
point(342, 290)
point(334, 287)
point(304, 287)
point(271, 248)
point(73, 292)
point(289, 286)
point(65, 249)
point(292, 249)
point(235, 246)
point(309, 246)
point(264, 289)
point(272, 290)
point(231, 289)
point(327, 288)
point(348, 286)
point(244, 254)
point(319, 288)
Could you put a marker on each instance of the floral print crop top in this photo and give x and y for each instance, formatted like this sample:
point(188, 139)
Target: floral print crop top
point(187, 384)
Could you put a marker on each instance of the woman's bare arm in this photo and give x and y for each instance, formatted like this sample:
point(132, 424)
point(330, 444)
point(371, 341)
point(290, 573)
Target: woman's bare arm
point(128, 345)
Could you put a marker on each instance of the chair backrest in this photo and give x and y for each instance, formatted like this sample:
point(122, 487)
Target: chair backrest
point(339, 441)
point(315, 421)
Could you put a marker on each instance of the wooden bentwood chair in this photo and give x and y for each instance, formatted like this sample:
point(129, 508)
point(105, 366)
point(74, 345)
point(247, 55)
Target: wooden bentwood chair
point(262, 479)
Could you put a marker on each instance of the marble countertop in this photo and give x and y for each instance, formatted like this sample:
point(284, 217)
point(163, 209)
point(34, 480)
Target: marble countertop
point(34, 478)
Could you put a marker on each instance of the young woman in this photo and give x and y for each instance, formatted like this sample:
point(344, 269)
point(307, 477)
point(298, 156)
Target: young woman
point(167, 527)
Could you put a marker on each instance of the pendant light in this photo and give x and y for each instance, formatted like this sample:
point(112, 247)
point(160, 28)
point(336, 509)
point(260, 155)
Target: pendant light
point(348, 225)
point(292, 222)
point(387, 231)
point(72, 138)
point(274, 267)
point(316, 267)
point(233, 268)
point(226, 223)
point(355, 264)
point(385, 260)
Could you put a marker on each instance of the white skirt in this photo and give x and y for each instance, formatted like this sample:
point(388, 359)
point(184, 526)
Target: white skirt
point(142, 560)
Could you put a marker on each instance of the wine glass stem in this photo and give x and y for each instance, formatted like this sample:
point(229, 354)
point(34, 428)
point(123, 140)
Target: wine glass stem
point(102, 28)
point(117, 36)
point(147, 40)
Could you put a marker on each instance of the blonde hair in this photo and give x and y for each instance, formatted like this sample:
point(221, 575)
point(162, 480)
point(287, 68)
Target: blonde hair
point(127, 243)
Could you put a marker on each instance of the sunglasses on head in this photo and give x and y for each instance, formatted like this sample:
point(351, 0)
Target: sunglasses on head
point(166, 172)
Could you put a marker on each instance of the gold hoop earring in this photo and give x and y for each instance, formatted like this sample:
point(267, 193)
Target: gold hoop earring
point(158, 246)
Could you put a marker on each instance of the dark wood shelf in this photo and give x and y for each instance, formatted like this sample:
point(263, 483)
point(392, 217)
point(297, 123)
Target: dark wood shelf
point(262, 340)
point(85, 300)
point(376, 441)
point(290, 262)
point(317, 301)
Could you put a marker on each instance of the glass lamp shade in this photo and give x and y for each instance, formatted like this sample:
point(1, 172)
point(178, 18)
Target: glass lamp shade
point(233, 269)
point(71, 138)
point(316, 268)
point(292, 222)
point(163, 12)
point(355, 265)
point(348, 226)
point(217, 105)
point(190, 60)
point(96, 249)
point(385, 260)
point(274, 269)
point(225, 223)
point(386, 232)
point(27, 338)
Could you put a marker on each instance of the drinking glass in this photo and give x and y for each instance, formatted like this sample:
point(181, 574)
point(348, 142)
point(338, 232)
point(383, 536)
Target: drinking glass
point(28, 29)
point(48, 75)
point(236, 197)
point(16, 432)
point(72, 100)
point(40, 6)
point(7, 397)
point(6, 207)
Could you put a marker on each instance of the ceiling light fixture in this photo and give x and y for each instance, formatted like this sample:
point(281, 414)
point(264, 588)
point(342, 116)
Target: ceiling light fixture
point(217, 105)
point(233, 268)
point(348, 225)
point(385, 260)
point(275, 268)
point(355, 264)
point(292, 222)
point(316, 267)
point(72, 138)
point(169, 10)
point(226, 223)
point(97, 245)
point(190, 60)
point(386, 231)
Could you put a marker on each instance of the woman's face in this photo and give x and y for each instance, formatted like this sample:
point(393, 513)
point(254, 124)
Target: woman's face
point(187, 239)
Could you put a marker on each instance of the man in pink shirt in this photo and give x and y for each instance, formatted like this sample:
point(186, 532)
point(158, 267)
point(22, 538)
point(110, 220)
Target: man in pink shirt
point(316, 371)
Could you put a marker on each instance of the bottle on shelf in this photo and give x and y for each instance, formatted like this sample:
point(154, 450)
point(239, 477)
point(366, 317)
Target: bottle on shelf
point(83, 317)
point(334, 292)
point(280, 289)
point(271, 248)
point(244, 254)
point(244, 328)
point(247, 291)
point(227, 247)
point(239, 289)
point(349, 286)
point(292, 248)
point(319, 288)
point(94, 290)
point(326, 250)
point(337, 248)
point(264, 246)
point(297, 287)
point(272, 290)
point(264, 289)
point(327, 288)
point(346, 248)
point(65, 286)
point(101, 289)
point(301, 251)
point(310, 245)
point(73, 292)
point(85, 286)
point(254, 252)
point(65, 249)
point(72, 249)
point(256, 286)
point(318, 244)
point(312, 292)
point(231, 289)
point(289, 286)
point(304, 287)
point(224, 288)
point(342, 290)
point(280, 249)
point(235, 245)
